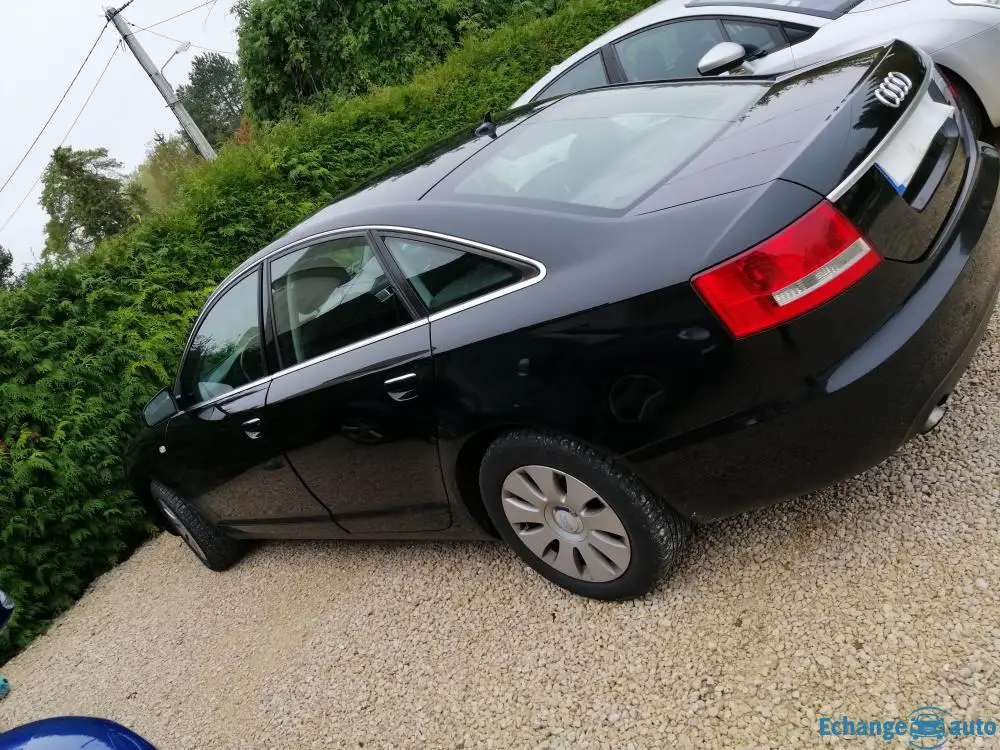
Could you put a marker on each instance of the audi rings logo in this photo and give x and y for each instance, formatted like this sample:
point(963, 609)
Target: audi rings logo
point(893, 89)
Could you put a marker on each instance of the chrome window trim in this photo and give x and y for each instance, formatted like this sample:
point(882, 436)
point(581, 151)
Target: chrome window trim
point(859, 171)
point(235, 278)
point(487, 250)
point(413, 325)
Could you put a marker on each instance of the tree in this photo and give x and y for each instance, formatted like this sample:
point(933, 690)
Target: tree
point(155, 184)
point(84, 196)
point(295, 52)
point(241, 9)
point(214, 96)
point(6, 268)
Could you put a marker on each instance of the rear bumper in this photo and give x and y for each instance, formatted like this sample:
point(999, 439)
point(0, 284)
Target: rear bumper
point(868, 404)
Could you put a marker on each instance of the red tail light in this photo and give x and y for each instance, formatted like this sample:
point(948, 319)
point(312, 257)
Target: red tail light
point(806, 264)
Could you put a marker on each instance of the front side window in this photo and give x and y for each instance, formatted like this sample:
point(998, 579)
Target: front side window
point(329, 296)
point(225, 352)
point(443, 277)
point(587, 74)
point(669, 51)
point(758, 39)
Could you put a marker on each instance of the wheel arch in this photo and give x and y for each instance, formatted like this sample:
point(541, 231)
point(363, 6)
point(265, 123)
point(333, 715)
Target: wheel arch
point(466, 473)
point(141, 489)
point(470, 458)
point(956, 77)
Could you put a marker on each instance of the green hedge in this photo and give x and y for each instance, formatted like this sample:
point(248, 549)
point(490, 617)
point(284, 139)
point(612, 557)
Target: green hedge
point(295, 51)
point(82, 348)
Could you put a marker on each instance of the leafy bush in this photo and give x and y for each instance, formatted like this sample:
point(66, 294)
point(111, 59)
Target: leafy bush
point(84, 346)
point(291, 51)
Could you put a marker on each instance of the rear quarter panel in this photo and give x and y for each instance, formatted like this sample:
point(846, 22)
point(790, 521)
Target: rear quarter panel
point(613, 346)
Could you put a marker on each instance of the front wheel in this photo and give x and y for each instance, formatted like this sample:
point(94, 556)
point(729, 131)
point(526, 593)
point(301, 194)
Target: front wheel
point(216, 550)
point(577, 518)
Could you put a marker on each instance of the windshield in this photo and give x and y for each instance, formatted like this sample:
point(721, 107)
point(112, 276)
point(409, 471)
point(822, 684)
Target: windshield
point(604, 149)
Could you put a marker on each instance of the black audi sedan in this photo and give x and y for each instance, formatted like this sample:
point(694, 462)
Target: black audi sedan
point(586, 324)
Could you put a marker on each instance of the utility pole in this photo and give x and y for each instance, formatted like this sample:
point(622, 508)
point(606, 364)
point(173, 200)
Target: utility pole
point(165, 89)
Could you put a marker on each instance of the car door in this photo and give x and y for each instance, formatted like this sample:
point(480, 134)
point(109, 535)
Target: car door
point(353, 406)
point(216, 453)
point(673, 50)
point(670, 50)
point(768, 44)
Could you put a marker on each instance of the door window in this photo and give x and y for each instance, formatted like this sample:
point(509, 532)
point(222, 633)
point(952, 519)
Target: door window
point(443, 276)
point(758, 39)
point(587, 74)
point(331, 295)
point(669, 51)
point(225, 352)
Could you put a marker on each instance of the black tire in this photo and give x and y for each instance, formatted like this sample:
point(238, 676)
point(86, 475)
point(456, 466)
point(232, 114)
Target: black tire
point(968, 102)
point(215, 550)
point(656, 533)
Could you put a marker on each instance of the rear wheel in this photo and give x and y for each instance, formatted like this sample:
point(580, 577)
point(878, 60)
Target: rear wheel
point(577, 518)
point(216, 550)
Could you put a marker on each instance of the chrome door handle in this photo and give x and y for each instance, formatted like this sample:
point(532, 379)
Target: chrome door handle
point(252, 427)
point(403, 387)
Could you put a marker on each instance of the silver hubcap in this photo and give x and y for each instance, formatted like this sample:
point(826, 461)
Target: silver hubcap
point(181, 529)
point(566, 524)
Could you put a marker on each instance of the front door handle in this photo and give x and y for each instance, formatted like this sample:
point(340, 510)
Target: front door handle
point(402, 388)
point(252, 427)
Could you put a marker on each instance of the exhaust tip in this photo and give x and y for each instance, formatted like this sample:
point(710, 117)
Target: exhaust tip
point(933, 419)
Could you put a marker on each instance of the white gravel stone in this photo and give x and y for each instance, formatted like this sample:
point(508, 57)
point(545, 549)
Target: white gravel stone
point(868, 599)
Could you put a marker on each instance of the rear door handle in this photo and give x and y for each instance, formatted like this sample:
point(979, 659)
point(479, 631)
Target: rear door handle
point(252, 427)
point(402, 388)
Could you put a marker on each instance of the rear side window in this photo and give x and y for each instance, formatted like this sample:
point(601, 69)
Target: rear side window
point(758, 39)
point(329, 296)
point(587, 74)
point(796, 33)
point(444, 277)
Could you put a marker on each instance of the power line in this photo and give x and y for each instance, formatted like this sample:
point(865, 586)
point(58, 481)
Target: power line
point(208, 15)
point(181, 41)
point(58, 105)
point(65, 137)
point(182, 13)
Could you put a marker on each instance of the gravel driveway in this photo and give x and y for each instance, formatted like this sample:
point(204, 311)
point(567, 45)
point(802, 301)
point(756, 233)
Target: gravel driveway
point(871, 598)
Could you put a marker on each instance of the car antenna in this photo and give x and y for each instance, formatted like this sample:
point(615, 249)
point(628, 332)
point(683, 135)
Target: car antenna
point(487, 126)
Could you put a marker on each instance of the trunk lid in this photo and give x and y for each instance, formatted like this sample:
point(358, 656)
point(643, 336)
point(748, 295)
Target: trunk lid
point(813, 127)
point(875, 132)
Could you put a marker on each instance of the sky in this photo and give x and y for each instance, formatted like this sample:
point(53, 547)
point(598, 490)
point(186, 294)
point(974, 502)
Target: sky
point(42, 44)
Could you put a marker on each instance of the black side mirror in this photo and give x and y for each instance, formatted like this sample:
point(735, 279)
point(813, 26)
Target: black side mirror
point(6, 609)
point(162, 406)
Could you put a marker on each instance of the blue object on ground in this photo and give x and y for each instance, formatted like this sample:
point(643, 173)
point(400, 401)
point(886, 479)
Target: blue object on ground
point(4, 687)
point(73, 733)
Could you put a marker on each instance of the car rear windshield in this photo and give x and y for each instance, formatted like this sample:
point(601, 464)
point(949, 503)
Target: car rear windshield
point(601, 151)
point(823, 8)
